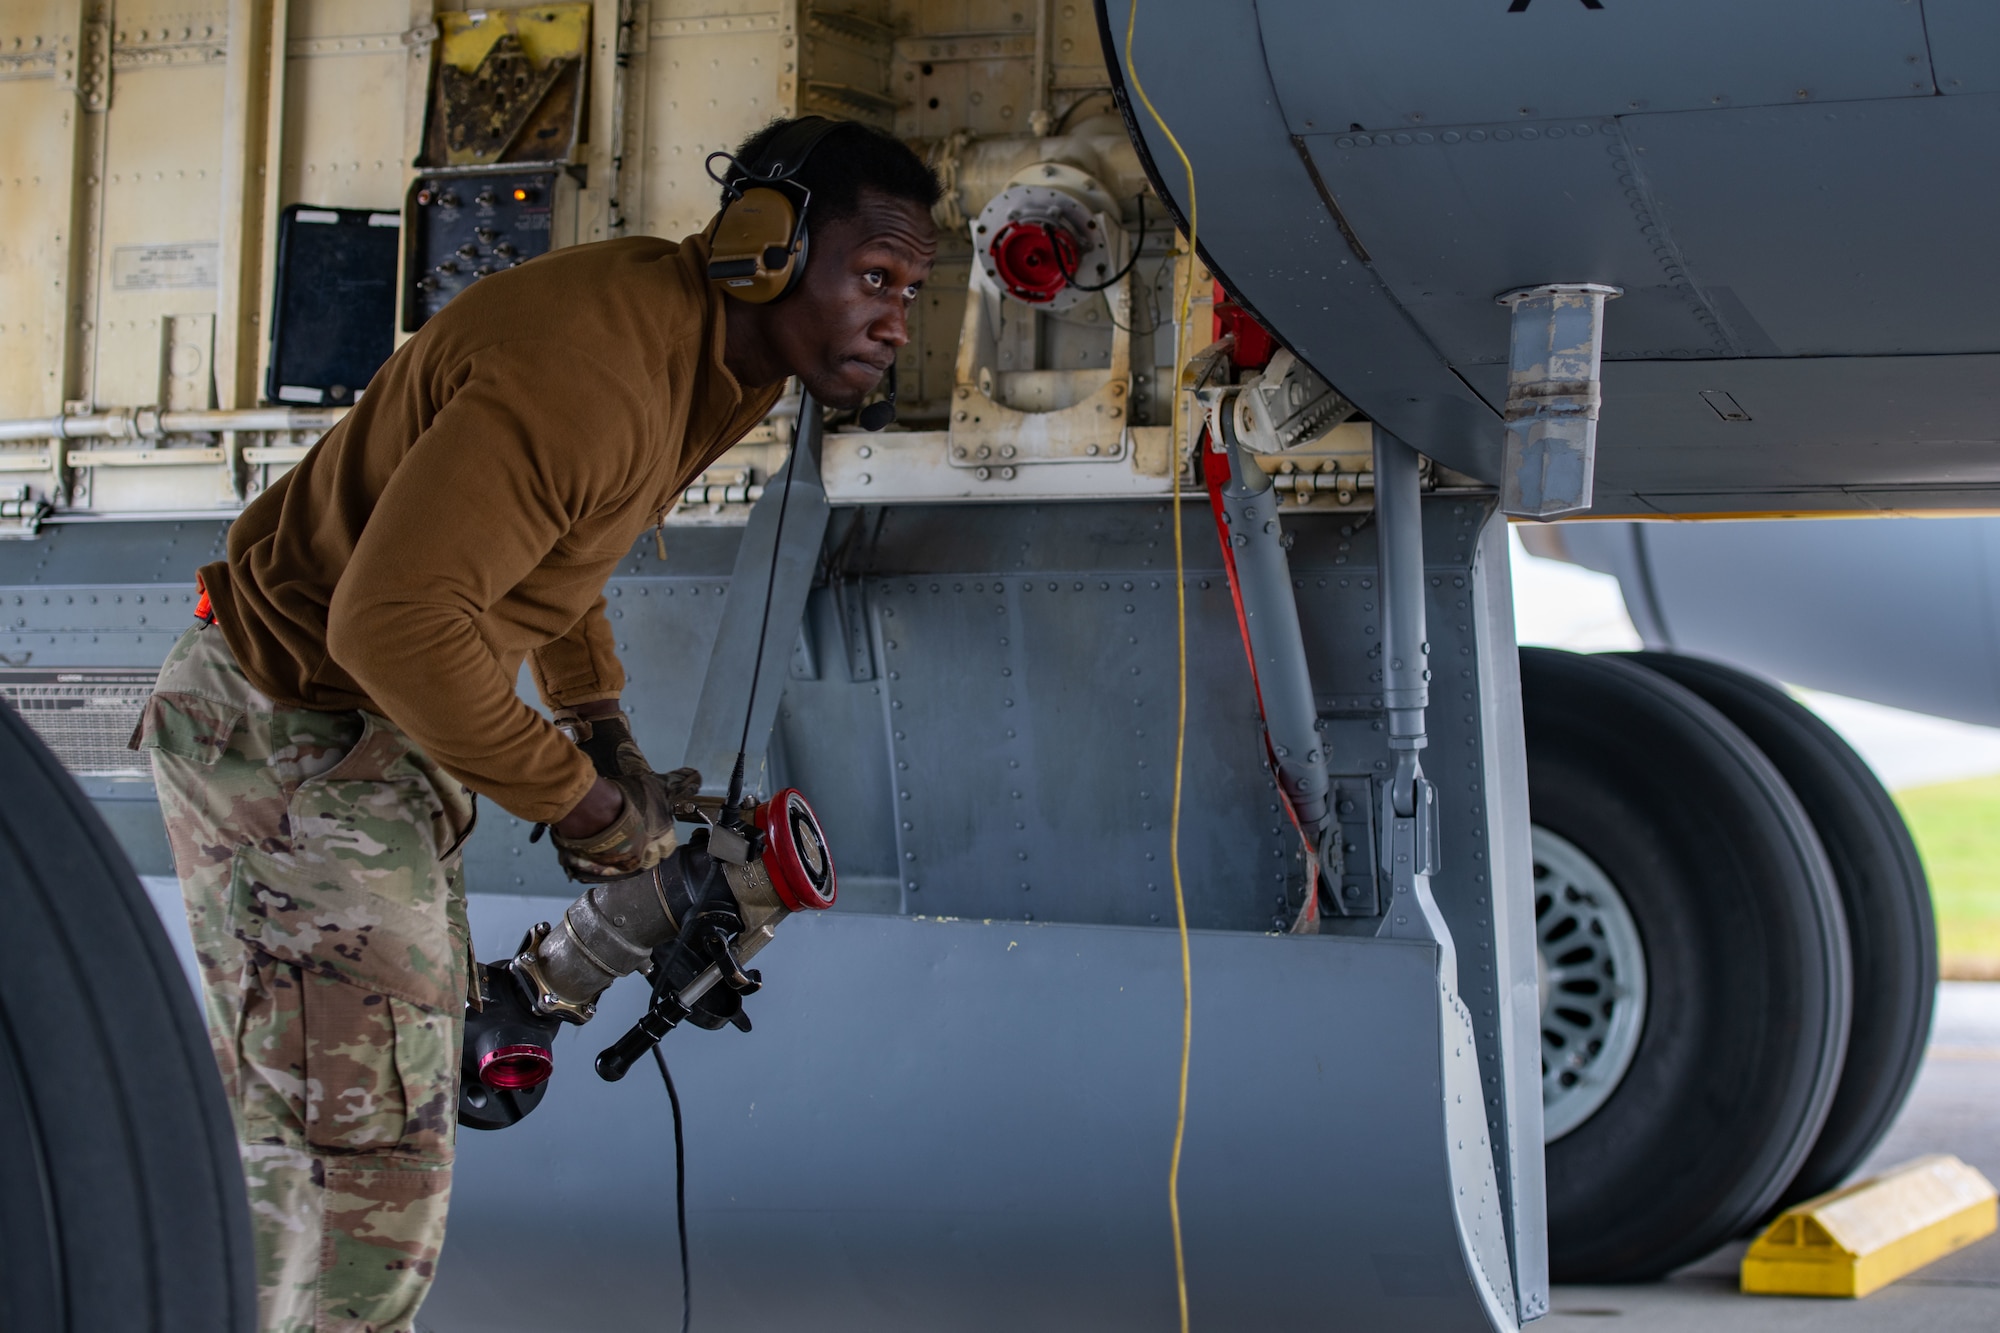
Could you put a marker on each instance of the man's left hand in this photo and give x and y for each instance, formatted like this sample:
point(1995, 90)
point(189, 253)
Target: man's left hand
point(606, 739)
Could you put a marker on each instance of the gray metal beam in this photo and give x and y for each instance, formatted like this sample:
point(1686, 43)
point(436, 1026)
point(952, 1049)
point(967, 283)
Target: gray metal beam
point(780, 551)
point(1500, 983)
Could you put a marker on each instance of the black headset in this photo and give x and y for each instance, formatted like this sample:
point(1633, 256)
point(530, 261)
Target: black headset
point(759, 242)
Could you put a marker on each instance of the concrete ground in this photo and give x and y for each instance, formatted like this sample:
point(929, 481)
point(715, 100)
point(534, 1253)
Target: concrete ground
point(1954, 1108)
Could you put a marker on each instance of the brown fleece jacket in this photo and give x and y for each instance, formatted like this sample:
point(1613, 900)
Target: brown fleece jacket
point(466, 514)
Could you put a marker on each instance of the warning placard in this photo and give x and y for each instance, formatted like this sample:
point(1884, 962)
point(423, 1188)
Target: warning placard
point(158, 268)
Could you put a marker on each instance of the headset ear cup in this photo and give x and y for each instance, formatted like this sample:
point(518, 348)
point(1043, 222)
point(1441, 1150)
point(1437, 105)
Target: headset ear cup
point(743, 239)
point(795, 271)
point(747, 233)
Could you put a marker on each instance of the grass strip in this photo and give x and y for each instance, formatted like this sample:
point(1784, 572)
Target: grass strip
point(1957, 829)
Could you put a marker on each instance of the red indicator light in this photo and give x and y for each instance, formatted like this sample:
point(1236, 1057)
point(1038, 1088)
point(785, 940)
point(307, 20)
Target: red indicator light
point(516, 1067)
point(521, 194)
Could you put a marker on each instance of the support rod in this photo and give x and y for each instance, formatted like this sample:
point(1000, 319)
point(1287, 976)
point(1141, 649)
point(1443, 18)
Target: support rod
point(1264, 577)
point(1409, 806)
point(147, 423)
point(1040, 122)
point(1406, 676)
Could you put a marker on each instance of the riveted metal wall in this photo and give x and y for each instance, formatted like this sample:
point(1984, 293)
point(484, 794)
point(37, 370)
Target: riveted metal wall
point(85, 599)
point(984, 704)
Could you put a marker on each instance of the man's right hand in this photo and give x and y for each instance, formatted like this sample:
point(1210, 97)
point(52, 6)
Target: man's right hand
point(593, 814)
point(635, 835)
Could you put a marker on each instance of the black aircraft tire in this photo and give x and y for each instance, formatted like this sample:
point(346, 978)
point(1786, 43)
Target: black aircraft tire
point(1746, 959)
point(1882, 888)
point(121, 1197)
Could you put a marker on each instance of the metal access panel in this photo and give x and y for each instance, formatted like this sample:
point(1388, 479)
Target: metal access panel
point(1826, 187)
point(334, 321)
point(87, 614)
point(464, 226)
point(964, 1127)
point(1026, 705)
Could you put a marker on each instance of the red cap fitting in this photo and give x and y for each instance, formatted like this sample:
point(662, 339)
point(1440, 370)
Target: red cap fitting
point(1034, 260)
point(800, 866)
point(513, 1068)
point(1254, 344)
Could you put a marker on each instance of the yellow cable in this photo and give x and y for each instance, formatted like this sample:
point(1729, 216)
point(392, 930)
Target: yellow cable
point(1180, 721)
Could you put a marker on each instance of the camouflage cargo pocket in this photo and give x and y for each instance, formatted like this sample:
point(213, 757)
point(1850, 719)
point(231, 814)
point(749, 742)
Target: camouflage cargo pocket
point(362, 892)
point(380, 1073)
point(199, 700)
point(187, 726)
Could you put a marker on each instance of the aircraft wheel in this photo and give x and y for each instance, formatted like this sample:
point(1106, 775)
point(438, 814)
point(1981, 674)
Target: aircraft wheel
point(121, 1198)
point(1883, 890)
point(1592, 970)
point(1745, 968)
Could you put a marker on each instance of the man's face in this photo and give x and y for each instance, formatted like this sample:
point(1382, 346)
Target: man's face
point(839, 331)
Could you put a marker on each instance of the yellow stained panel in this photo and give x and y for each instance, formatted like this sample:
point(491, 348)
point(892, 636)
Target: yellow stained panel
point(546, 32)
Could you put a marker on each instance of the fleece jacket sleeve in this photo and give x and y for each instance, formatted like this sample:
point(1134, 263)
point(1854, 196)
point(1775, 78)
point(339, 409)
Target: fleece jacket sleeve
point(533, 437)
point(582, 666)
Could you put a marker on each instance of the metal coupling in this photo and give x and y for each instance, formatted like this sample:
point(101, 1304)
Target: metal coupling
point(746, 875)
point(610, 931)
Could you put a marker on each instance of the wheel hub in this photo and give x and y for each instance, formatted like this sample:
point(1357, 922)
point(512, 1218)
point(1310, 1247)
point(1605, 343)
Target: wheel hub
point(1591, 966)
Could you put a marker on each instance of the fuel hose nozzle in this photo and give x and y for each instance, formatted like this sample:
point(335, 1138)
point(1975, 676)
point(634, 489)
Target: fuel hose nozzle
point(690, 924)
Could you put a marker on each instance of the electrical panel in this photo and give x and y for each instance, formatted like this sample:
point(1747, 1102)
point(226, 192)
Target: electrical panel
point(334, 305)
point(464, 226)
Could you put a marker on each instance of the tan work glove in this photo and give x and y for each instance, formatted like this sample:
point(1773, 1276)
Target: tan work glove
point(643, 833)
point(606, 740)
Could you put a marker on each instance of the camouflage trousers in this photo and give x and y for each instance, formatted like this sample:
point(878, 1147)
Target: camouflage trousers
point(318, 857)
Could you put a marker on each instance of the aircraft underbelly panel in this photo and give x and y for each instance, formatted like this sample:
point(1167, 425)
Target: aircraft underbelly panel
point(1863, 433)
point(955, 1125)
point(1444, 62)
point(1769, 187)
point(1843, 230)
point(1460, 214)
point(1266, 226)
point(1965, 45)
point(1781, 231)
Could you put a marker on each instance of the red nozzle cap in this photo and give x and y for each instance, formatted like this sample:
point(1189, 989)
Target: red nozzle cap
point(797, 860)
point(1034, 260)
point(513, 1068)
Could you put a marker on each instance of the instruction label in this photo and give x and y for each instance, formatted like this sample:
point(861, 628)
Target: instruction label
point(158, 268)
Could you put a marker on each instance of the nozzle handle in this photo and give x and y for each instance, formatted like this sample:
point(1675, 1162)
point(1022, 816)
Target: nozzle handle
point(663, 1016)
point(618, 1058)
